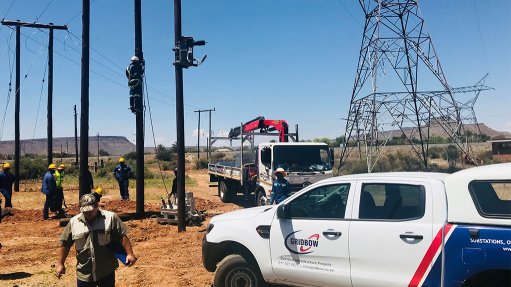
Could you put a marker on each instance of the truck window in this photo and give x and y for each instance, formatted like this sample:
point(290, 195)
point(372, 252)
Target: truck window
point(324, 202)
point(266, 157)
point(384, 201)
point(492, 198)
point(310, 159)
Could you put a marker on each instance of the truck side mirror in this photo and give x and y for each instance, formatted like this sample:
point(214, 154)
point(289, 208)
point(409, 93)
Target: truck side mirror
point(282, 212)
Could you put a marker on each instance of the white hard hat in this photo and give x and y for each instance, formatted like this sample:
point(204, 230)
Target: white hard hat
point(134, 58)
point(281, 171)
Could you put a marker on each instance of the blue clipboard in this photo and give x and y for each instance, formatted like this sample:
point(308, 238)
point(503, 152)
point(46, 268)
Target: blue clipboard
point(119, 251)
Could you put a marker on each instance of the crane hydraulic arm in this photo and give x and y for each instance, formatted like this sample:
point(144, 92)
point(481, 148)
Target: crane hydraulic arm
point(264, 126)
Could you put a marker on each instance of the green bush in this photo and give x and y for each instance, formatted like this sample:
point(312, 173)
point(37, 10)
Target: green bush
point(166, 165)
point(486, 157)
point(201, 163)
point(130, 156)
point(436, 152)
point(163, 153)
point(32, 168)
point(452, 155)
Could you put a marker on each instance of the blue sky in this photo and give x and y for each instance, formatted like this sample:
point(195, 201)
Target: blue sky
point(282, 59)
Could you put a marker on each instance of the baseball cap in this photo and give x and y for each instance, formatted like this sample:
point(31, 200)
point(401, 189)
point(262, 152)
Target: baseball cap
point(87, 202)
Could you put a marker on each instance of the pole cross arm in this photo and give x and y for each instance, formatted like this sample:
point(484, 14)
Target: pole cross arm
point(33, 25)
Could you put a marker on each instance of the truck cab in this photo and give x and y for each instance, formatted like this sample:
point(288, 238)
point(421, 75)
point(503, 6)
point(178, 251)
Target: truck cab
point(304, 163)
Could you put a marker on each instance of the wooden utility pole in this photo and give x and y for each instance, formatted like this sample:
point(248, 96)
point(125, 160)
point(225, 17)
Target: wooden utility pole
point(18, 24)
point(198, 131)
point(98, 149)
point(17, 114)
point(84, 114)
point(209, 135)
point(179, 123)
point(76, 137)
point(139, 113)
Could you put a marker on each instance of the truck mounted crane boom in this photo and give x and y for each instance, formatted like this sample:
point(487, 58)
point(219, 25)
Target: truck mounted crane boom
point(263, 125)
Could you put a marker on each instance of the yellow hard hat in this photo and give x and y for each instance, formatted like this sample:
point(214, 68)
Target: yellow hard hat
point(62, 166)
point(99, 191)
point(6, 166)
point(52, 166)
point(122, 159)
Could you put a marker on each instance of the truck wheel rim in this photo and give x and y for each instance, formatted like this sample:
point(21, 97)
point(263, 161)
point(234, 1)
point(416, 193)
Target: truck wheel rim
point(241, 278)
point(263, 200)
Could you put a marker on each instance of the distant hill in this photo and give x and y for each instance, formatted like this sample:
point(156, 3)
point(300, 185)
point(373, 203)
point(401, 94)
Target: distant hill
point(438, 131)
point(113, 145)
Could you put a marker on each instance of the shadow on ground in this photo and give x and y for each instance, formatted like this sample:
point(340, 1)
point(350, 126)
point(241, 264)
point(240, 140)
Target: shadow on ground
point(244, 201)
point(15, 276)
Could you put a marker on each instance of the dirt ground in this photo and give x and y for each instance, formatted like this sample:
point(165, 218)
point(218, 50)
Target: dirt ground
point(165, 257)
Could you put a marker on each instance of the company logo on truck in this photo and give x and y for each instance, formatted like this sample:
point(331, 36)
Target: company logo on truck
point(301, 245)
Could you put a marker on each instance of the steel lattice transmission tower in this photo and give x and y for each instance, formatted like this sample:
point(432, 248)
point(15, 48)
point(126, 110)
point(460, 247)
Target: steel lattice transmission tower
point(387, 99)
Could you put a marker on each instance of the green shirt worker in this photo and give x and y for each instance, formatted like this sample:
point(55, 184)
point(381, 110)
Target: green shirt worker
point(94, 232)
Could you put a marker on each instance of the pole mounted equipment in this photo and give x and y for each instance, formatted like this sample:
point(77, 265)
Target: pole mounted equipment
point(184, 52)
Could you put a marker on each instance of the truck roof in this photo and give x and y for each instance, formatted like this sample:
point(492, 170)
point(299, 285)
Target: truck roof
point(461, 207)
point(393, 175)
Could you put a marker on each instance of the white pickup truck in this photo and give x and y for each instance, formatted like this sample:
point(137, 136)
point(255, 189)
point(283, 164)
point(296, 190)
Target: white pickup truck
point(382, 229)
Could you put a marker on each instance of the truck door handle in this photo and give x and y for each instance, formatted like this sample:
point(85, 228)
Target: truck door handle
point(411, 236)
point(332, 233)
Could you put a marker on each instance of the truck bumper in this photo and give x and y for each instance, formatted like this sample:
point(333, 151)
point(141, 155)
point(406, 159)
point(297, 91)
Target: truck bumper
point(210, 254)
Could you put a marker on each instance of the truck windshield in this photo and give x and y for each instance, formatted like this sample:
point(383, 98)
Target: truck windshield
point(301, 158)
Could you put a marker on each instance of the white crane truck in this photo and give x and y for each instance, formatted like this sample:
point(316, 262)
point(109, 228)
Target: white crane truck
point(381, 229)
point(305, 163)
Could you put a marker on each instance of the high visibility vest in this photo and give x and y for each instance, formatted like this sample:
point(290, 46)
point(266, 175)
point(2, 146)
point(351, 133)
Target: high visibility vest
point(59, 178)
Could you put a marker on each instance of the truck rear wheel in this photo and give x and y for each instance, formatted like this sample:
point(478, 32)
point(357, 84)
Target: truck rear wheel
point(223, 192)
point(235, 271)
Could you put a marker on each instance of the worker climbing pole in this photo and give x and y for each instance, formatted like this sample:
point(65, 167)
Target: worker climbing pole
point(135, 74)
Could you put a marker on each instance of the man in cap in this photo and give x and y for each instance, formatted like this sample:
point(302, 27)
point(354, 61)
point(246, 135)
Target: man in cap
point(49, 189)
point(123, 173)
point(135, 73)
point(280, 188)
point(96, 234)
point(6, 181)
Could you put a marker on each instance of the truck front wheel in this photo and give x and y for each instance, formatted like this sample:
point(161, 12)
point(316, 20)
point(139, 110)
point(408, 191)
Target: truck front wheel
point(223, 192)
point(235, 271)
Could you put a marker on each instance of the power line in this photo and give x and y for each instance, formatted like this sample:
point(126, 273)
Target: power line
point(481, 35)
point(154, 139)
point(77, 14)
point(40, 97)
point(349, 12)
point(6, 13)
point(46, 8)
point(9, 10)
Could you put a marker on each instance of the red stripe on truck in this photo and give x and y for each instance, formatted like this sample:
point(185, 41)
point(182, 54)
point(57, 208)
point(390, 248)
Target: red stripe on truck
point(428, 257)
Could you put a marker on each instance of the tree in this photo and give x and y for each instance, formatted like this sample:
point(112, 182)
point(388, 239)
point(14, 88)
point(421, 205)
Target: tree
point(163, 153)
point(322, 140)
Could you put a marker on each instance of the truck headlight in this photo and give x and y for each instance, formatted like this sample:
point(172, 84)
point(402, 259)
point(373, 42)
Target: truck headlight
point(210, 227)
